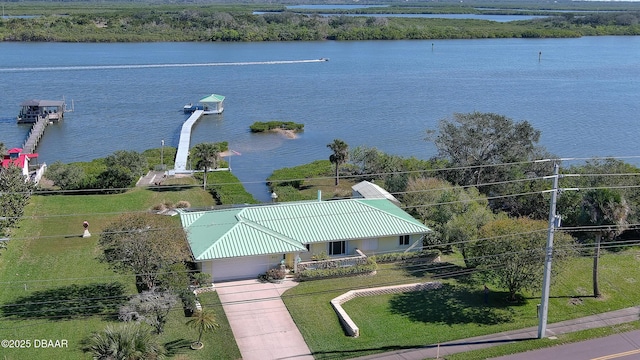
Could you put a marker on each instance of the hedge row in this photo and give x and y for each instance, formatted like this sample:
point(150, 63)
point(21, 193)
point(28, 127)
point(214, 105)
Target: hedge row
point(367, 268)
point(427, 255)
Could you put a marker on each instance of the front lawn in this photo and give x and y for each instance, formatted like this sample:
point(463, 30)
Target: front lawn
point(456, 311)
point(52, 287)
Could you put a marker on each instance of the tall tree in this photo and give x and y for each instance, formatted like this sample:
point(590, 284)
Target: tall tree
point(513, 250)
point(607, 211)
point(340, 155)
point(487, 148)
point(203, 320)
point(625, 181)
point(436, 202)
point(207, 157)
point(144, 245)
point(477, 140)
point(15, 193)
point(464, 227)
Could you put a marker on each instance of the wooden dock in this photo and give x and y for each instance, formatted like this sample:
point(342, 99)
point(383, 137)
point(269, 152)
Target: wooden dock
point(37, 130)
point(185, 141)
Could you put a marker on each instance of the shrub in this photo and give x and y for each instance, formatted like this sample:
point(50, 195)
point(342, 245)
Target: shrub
point(321, 256)
point(183, 204)
point(367, 268)
point(201, 278)
point(424, 255)
point(128, 341)
point(159, 207)
point(67, 177)
point(273, 275)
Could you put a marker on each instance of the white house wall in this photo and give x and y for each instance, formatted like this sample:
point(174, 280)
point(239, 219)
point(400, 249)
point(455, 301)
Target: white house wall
point(240, 268)
point(368, 246)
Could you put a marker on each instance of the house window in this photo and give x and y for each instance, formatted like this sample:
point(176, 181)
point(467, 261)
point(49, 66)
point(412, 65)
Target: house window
point(404, 239)
point(337, 248)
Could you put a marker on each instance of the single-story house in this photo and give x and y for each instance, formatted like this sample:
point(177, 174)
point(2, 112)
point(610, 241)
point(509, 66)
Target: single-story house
point(244, 242)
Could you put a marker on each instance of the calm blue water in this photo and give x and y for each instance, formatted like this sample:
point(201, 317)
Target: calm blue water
point(583, 94)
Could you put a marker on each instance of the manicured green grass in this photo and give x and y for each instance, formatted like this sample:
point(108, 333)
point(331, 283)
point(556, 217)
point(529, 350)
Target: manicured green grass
point(454, 312)
point(52, 286)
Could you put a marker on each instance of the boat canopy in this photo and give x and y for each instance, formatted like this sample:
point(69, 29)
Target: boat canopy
point(213, 98)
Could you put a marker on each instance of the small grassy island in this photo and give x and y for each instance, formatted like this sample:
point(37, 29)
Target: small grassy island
point(287, 128)
point(275, 125)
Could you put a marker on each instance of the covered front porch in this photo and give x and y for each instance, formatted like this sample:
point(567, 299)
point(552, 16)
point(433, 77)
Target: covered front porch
point(294, 262)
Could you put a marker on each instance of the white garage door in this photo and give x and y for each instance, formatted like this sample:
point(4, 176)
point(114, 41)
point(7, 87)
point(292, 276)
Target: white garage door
point(248, 267)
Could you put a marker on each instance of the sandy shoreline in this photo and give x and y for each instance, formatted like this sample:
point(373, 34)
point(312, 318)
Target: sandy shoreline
point(289, 134)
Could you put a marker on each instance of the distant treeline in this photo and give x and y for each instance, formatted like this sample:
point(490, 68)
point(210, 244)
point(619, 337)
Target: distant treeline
point(192, 23)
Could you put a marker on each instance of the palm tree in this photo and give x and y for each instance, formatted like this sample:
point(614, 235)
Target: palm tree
point(202, 320)
point(207, 155)
point(608, 211)
point(340, 154)
point(129, 341)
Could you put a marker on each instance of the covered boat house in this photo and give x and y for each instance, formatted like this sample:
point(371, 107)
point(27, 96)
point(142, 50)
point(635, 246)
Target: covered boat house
point(212, 104)
point(34, 110)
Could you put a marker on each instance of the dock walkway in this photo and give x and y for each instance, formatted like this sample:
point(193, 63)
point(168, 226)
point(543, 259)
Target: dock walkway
point(185, 140)
point(37, 130)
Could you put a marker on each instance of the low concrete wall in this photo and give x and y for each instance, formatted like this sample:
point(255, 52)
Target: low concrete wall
point(350, 327)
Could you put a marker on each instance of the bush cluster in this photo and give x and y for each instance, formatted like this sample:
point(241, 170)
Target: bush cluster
point(367, 268)
point(273, 275)
point(426, 255)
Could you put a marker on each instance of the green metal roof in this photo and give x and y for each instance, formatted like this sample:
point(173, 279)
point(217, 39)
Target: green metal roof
point(213, 98)
point(287, 227)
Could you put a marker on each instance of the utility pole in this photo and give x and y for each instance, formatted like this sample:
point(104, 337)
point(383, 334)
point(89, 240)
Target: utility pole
point(554, 221)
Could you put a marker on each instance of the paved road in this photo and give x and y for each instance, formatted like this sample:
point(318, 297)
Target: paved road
point(624, 346)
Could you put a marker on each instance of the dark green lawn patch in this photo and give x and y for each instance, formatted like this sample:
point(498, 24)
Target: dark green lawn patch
point(68, 302)
point(260, 126)
point(451, 305)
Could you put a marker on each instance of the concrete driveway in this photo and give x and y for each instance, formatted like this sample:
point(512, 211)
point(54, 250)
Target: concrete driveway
point(260, 321)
